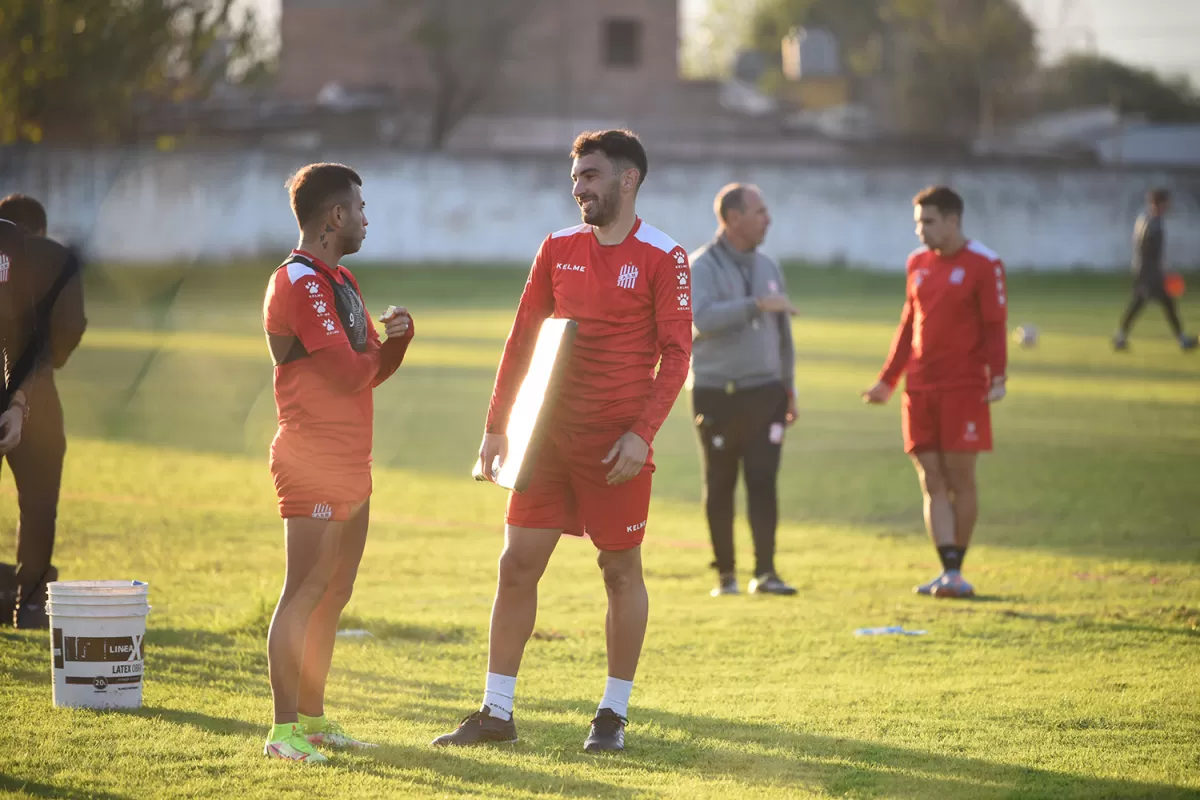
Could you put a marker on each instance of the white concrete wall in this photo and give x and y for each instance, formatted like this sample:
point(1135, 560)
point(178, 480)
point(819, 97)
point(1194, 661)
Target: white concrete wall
point(150, 207)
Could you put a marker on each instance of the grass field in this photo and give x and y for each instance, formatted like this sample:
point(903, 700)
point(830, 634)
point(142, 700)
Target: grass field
point(1075, 674)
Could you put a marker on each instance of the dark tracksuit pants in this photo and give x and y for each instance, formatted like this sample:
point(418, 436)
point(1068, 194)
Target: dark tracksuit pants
point(1147, 290)
point(741, 429)
point(37, 465)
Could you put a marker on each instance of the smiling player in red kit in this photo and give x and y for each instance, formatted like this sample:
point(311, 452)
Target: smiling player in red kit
point(628, 287)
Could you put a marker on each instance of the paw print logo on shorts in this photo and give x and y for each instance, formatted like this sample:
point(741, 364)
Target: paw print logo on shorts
point(319, 306)
point(312, 287)
point(330, 327)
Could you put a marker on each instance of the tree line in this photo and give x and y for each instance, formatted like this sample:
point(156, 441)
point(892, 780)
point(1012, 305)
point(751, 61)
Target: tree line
point(79, 70)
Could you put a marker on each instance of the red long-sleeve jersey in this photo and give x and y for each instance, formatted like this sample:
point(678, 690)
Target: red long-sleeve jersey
point(633, 305)
point(323, 398)
point(952, 330)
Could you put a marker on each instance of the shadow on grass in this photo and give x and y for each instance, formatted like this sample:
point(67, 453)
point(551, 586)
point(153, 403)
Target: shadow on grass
point(225, 726)
point(765, 755)
point(10, 784)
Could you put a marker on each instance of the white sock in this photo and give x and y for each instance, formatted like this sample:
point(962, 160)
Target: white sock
point(616, 695)
point(498, 696)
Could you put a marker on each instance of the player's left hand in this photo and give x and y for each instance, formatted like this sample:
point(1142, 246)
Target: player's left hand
point(396, 322)
point(627, 456)
point(792, 412)
point(997, 392)
point(11, 423)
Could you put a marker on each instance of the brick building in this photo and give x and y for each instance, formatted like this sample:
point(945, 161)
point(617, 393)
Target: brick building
point(570, 59)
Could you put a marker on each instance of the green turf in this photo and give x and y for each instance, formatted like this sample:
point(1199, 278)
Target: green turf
point(1075, 674)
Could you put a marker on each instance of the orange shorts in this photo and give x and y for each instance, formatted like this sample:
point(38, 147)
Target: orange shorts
point(946, 420)
point(568, 491)
point(307, 489)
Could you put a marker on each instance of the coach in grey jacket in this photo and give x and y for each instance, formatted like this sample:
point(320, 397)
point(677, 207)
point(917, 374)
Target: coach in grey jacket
point(743, 367)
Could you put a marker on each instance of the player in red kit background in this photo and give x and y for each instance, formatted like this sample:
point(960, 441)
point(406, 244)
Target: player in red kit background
point(328, 358)
point(628, 287)
point(952, 342)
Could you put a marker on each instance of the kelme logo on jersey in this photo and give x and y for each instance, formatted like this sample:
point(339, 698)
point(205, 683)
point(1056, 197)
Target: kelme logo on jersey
point(635, 528)
point(571, 267)
point(319, 306)
point(329, 326)
point(313, 287)
point(683, 300)
point(682, 278)
point(627, 277)
point(680, 257)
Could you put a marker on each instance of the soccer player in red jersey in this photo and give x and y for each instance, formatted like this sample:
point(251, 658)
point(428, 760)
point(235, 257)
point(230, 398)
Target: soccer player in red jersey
point(952, 342)
point(328, 358)
point(628, 287)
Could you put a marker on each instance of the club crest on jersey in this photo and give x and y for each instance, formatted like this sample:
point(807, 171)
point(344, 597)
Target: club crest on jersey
point(957, 275)
point(322, 511)
point(627, 277)
point(4, 264)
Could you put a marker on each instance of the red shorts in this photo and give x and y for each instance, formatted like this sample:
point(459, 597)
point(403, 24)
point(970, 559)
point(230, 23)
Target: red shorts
point(568, 491)
point(306, 488)
point(946, 420)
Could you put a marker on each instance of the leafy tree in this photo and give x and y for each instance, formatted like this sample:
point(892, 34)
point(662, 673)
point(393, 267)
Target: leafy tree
point(1081, 80)
point(72, 69)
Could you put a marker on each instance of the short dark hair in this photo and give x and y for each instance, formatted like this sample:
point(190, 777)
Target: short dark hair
point(311, 188)
point(616, 145)
point(1157, 196)
point(943, 198)
point(25, 211)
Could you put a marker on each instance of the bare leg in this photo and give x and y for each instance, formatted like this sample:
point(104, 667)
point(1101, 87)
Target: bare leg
point(311, 547)
point(628, 610)
point(939, 511)
point(960, 476)
point(322, 624)
point(526, 553)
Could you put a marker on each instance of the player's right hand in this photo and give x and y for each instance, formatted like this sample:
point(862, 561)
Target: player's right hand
point(775, 304)
point(492, 453)
point(11, 423)
point(878, 394)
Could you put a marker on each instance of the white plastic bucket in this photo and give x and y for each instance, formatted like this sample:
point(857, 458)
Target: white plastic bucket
point(97, 642)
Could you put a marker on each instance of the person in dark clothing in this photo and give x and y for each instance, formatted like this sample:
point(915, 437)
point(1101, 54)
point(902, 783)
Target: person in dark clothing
point(1149, 246)
point(37, 463)
point(17, 346)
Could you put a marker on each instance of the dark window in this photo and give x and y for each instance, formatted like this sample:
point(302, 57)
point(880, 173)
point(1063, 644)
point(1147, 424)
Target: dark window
point(623, 43)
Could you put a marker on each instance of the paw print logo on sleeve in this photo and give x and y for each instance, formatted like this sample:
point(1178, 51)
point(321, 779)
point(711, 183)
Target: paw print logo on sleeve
point(680, 257)
point(319, 306)
point(313, 287)
point(329, 326)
